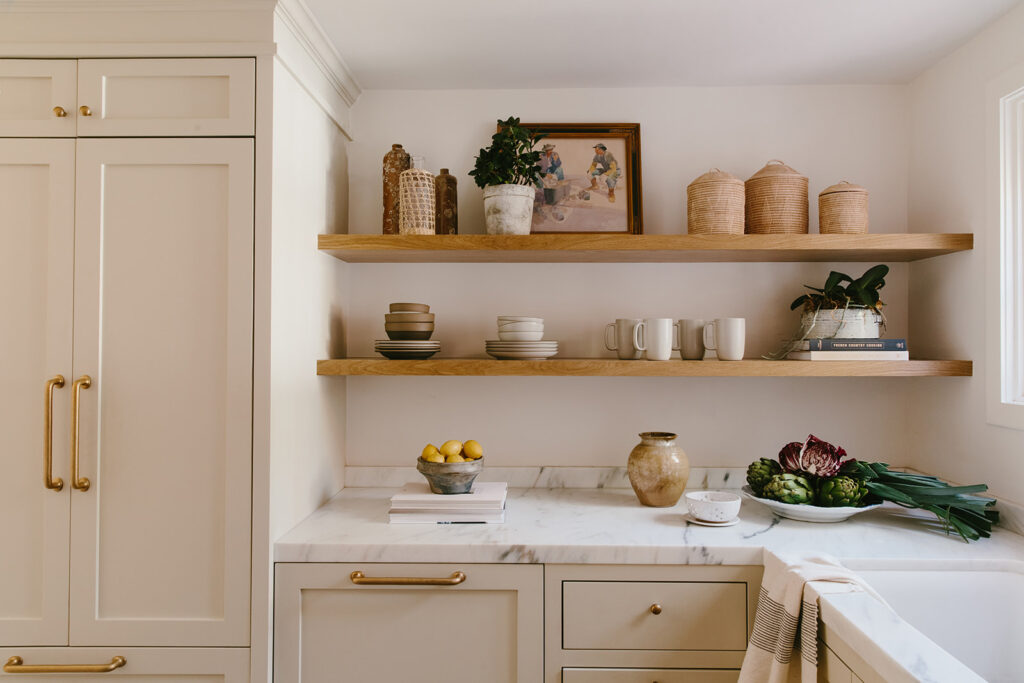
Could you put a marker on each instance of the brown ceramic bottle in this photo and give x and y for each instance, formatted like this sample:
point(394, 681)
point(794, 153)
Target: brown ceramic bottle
point(658, 469)
point(446, 196)
point(395, 161)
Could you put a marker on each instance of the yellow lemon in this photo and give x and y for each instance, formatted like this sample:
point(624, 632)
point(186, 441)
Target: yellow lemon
point(472, 450)
point(434, 457)
point(454, 458)
point(450, 448)
point(429, 449)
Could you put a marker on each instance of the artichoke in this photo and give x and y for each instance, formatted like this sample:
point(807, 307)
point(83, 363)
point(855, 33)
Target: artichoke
point(789, 488)
point(841, 491)
point(814, 457)
point(759, 472)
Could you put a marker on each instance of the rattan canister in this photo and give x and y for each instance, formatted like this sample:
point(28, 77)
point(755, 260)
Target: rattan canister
point(417, 200)
point(776, 200)
point(843, 209)
point(715, 204)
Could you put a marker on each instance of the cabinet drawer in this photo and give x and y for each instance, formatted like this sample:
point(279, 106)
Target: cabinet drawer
point(650, 676)
point(29, 91)
point(166, 97)
point(142, 665)
point(620, 615)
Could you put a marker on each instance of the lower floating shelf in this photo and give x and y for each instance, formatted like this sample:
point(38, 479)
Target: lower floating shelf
point(600, 367)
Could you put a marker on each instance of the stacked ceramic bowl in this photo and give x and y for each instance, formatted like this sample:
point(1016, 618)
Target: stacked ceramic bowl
point(409, 327)
point(521, 338)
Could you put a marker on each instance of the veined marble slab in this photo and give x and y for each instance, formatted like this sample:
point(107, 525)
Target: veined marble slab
point(609, 526)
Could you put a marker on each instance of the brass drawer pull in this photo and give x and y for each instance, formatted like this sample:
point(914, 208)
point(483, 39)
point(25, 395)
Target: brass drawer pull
point(85, 111)
point(16, 665)
point(59, 112)
point(361, 579)
point(49, 481)
point(655, 608)
point(83, 382)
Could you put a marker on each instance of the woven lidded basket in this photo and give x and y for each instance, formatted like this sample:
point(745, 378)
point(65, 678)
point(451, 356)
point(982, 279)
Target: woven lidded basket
point(416, 202)
point(776, 201)
point(714, 204)
point(843, 209)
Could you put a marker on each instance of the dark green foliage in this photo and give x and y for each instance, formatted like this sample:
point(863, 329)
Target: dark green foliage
point(790, 488)
point(510, 160)
point(760, 472)
point(840, 491)
point(841, 291)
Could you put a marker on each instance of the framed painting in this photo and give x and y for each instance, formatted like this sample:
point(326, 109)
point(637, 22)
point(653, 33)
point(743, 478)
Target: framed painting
point(589, 180)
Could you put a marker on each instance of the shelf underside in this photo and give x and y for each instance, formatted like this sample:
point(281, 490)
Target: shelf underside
point(599, 367)
point(641, 248)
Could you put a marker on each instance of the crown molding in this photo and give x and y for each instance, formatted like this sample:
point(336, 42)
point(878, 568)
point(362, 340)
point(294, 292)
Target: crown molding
point(86, 6)
point(310, 36)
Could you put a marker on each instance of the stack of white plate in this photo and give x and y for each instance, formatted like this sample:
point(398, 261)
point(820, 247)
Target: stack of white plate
point(521, 350)
point(406, 349)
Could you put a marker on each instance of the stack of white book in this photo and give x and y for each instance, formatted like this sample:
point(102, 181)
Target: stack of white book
point(415, 504)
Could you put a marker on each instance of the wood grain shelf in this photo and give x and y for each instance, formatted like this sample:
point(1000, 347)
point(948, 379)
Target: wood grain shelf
point(641, 248)
point(601, 367)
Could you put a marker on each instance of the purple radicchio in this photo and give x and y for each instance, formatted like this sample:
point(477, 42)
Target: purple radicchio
point(814, 456)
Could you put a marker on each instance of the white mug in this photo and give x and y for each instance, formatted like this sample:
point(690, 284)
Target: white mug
point(691, 338)
point(726, 336)
point(622, 338)
point(657, 338)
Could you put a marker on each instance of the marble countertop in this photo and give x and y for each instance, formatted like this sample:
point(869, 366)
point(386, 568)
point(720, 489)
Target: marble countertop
point(609, 526)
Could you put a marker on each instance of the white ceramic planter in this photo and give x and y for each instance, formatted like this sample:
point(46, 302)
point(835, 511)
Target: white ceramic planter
point(508, 209)
point(849, 323)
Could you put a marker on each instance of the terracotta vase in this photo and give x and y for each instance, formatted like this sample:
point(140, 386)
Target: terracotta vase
point(395, 161)
point(658, 469)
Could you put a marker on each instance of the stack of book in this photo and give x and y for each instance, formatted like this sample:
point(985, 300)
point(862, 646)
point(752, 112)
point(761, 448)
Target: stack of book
point(415, 504)
point(850, 349)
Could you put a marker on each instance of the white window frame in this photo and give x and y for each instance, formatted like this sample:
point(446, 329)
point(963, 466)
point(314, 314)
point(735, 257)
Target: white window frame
point(1005, 253)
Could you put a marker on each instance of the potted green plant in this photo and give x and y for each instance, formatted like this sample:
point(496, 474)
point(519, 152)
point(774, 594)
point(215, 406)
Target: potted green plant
point(844, 307)
point(507, 171)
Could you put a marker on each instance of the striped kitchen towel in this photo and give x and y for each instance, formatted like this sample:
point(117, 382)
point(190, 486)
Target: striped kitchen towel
point(787, 616)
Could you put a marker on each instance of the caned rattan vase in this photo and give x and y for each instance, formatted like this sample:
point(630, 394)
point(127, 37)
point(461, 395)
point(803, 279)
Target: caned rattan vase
point(776, 201)
point(715, 204)
point(418, 204)
point(843, 209)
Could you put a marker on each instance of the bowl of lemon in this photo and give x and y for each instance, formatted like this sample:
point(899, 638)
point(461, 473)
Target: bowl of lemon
point(452, 467)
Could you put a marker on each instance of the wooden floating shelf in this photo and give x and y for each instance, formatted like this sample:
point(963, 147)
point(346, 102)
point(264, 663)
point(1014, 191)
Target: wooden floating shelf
point(600, 367)
point(640, 248)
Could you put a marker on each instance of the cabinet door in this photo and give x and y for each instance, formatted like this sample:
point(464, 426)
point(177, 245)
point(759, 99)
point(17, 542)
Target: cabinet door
point(30, 90)
point(328, 629)
point(160, 551)
point(154, 665)
point(152, 97)
point(37, 222)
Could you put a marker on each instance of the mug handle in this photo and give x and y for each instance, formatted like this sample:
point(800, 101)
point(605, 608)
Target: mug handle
point(636, 336)
point(607, 345)
point(677, 329)
point(709, 327)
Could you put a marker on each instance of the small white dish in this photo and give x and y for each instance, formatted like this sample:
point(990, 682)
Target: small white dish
point(690, 519)
point(520, 327)
point(713, 506)
point(520, 336)
point(519, 319)
point(808, 513)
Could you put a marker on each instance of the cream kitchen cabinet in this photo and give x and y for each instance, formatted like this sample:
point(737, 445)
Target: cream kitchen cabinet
point(126, 283)
point(137, 665)
point(341, 623)
point(127, 97)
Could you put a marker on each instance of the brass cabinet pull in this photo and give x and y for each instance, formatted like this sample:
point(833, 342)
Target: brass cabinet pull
point(49, 481)
point(59, 112)
point(16, 665)
point(83, 382)
point(655, 608)
point(85, 111)
point(361, 579)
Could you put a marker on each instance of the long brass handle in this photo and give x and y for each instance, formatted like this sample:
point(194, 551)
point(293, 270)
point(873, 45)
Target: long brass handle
point(361, 579)
point(48, 479)
point(83, 382)
point(59, 112)
point(16, 665)
point(85, 111)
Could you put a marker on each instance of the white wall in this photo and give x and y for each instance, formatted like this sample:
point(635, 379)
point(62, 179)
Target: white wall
point(828, 133)
point(948, 193)
point(309, 295)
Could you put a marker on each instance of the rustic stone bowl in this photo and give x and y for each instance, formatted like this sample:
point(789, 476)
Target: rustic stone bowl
point(448, 478)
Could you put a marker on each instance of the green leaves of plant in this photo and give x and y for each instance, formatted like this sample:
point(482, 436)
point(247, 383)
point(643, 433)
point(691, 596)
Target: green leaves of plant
point(860, 292)
point(510, 160)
